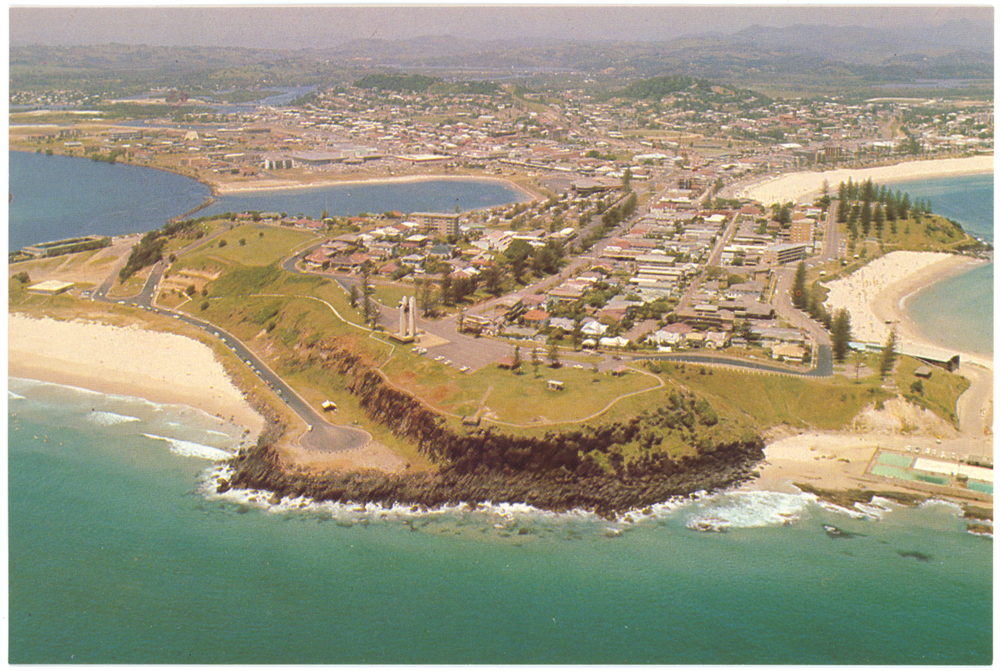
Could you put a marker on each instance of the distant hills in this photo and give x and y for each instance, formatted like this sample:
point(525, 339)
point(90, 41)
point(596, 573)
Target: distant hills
point(808, 59)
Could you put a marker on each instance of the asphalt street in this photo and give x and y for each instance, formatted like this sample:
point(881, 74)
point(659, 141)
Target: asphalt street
point(321, 436)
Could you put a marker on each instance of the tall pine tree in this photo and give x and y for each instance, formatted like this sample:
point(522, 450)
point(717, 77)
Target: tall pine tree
point(889, 353)
point(843, 207)
point(879, 218)
point(841, 334)
point(866, 217)
point(904, 206)
point(800, 294)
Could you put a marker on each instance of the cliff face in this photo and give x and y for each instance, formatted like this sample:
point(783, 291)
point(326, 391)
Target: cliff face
point(606, 494)
point(558, 471)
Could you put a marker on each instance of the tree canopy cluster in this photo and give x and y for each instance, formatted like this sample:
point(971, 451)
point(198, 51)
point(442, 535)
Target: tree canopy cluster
point(397, 82)
point(609, 219)
point(807, 298)
point(866, 205)
point(149, 250)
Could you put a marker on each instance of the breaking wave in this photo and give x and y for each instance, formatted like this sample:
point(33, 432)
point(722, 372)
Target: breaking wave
point(102, 418)
point(747, 510)
point(186, 448)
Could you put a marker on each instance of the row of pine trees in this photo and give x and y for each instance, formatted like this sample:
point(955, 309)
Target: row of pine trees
point(865, 206)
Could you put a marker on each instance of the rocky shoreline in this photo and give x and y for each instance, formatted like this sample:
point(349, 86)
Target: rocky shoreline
point(608, 495)
point(559, 471)
point(979, 520)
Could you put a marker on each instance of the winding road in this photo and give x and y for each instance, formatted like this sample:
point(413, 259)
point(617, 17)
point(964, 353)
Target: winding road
point(457, 349)
point(321, 435)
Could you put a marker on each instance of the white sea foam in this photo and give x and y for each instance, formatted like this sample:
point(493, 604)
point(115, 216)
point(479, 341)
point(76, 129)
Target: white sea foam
point(186, 448)
point(887, 505)
point(36, 384)
point(11, 396)
point(102, 418)
point(501, 516)
point(704, 511)
point(933, 503)
point(834, 508)
point(744, 510)
point(874, 511)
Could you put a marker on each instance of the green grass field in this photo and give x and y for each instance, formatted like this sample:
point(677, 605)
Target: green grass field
point(262, 245)
point(391, 294)
point(131, 286)
point(940, 392)
point(933, 233)
point(770, 400)
point(512, 398)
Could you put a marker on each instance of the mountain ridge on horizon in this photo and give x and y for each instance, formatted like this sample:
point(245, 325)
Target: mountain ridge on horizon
point(851, 57)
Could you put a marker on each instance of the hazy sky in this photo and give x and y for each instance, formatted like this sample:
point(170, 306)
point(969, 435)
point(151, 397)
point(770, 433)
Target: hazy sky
point(328, 25)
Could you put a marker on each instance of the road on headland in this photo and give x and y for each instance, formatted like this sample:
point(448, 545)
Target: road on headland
point(321, 436)
point(465, 350)
point(823, 367)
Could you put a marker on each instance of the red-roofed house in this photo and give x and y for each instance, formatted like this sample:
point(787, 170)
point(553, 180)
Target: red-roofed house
point(536, 318)
point(317, 258)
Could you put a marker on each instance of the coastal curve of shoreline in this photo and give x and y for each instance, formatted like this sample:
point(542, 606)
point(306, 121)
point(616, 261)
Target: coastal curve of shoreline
point(799, 185)
point(127, 361)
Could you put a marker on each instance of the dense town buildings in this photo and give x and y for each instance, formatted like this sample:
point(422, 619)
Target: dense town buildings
point(690, 255)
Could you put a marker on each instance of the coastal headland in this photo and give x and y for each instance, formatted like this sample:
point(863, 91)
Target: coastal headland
point(562, 469)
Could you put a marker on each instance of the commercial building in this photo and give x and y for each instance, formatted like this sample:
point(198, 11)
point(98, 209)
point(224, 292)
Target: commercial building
point(777, 255)
point(444, 223)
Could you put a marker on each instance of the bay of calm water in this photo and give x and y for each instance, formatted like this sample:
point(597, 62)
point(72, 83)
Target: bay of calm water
point(118, 554)
point(60, 196)
point(958, 312)
point(433, 195)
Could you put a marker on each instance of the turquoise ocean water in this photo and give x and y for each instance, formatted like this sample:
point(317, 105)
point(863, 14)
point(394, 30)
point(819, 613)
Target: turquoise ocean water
point(958, 312)
point(119, 555)
point(119, 552)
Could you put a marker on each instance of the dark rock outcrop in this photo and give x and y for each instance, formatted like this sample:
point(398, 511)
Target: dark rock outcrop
point(558, 471)
point(605, 493)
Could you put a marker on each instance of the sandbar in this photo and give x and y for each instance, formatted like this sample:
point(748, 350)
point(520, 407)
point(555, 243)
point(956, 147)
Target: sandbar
point(128, 361)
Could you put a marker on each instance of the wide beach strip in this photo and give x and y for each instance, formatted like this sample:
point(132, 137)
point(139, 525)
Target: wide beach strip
point(159, 367)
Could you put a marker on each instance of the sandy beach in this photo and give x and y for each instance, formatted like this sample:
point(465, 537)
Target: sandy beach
point(159, 367)
point(837, 460)
point(872, 294)
point(799, 185)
